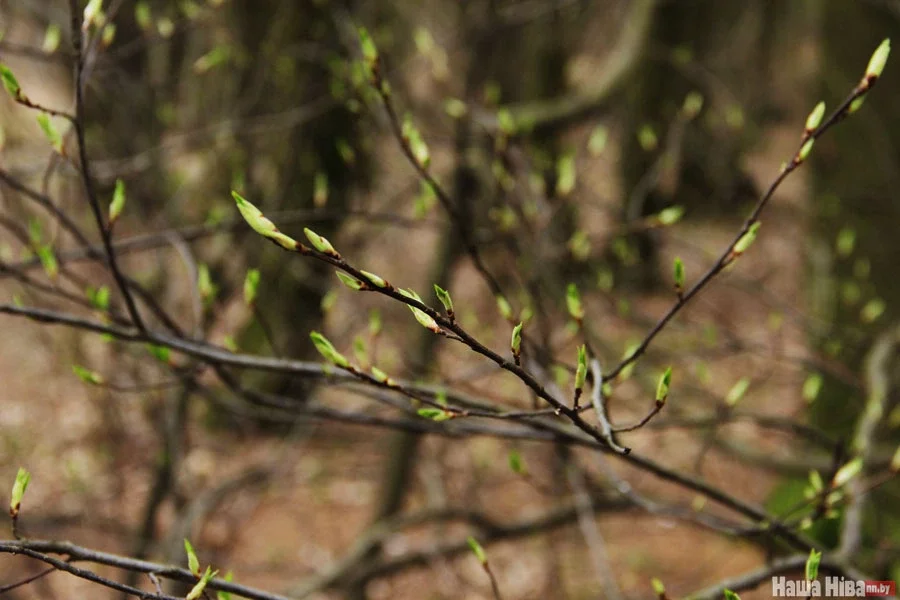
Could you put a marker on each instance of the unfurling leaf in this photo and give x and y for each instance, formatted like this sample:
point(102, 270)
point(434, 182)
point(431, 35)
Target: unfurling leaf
point(50, 131)
point(516, 341)
point(327, 350)
point(679, 274)
point(193, 561)
point(444, 296)
point(581, 369)
point(10, 82)
point(504, 307)
point(573, 302)
point(662, 388)
point(261, 224)
point(812, 564)
point(434, 414)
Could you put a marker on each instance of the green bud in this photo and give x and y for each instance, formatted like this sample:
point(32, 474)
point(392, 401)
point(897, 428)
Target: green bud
point(658, 588)
point(444, 296)
point(693, 104)
point(662, 388)
point(327, 350)
point(99, 298)
point(261, 224)
point(573, 302)
point(597, 141)
point(160, 353)
point(516, 465)
point(205, 285)
point(729, 595)
point(747, 239)
point(815, 117)
point(23, 478)
point(142, 15)
point(351, 282)
point(477, 550)
point(812, 564)
point(369, 51)
point(847, 472)
point(565, 174)
point(87, 376)
point(251, 286)
point(320, 189)
point(856, 105)
point(417, 145)
point(434, 414)
point(671, 215)
point(737, 391)
point(10, 82)
point(455, 108)
point(879, 59)
point(504, 307)
point(679, 274)
point(118, 201)
point(424, 319)
point(516, 341)
point(375, 279)
point(815, 481)
point(812, 386)
point(581, 370)
point(320, 243)
point(193, 562)
point(805, 150)
point(381, 377)
point(895, 460)
point(873, 309)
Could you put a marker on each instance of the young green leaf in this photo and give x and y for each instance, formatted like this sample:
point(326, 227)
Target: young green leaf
point(565, 174)
point(658, 588)
point(87, 376)
point(729, 595)
point(320, 243)
point(516, 341)
point(261, 224)
point(434, 414)
point(504, 307)
point(679, 274)
point(444, 296)
point(417, 146)
point(10, 82)
point(477, 550)
point(812, 564)
point(23, 478)
point(847, 472)
point(581, 369)
point(516, 465)
point(573, 302)
point(737, 391)
point(327, 350)
point(118, 201)
point(160, 353)
point(662, 388)
point(812, 386)
point(193, 561)
point(671, 215)
point(369, 51)
point(251, 286)
point(381, 377)
point(205, 286)
point(375, 279)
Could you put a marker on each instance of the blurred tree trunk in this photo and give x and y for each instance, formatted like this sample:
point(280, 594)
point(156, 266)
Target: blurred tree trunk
point(668, 159)
point(854, 245)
